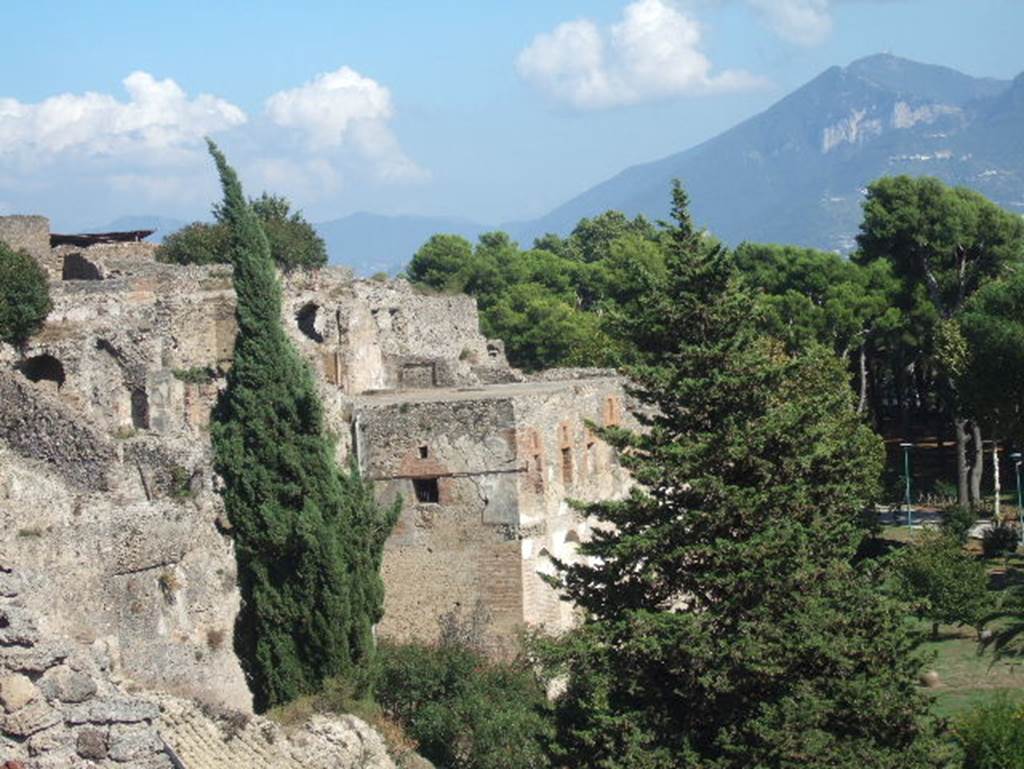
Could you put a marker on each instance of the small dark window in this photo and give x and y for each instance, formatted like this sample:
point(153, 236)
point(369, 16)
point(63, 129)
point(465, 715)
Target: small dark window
point(566, 466)
point(424, 452)
point(426, 490)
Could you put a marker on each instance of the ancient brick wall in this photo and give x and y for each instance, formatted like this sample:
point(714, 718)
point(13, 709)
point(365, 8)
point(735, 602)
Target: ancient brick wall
point(27, 233)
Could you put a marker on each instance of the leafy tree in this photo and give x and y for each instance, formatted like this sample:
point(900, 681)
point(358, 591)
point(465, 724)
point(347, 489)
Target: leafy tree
point(943, 244)
point(819, 297)
point(294, 243)
point(439, 261)
point(948, 585)
point(308, 537)
point(992, 384)
point(24, 295)
point(591, 239)
point(726, 624)
point(538, 329)
point(197, 243)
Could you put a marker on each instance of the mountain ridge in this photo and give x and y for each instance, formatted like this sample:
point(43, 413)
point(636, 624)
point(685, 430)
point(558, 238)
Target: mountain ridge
point(795, 172)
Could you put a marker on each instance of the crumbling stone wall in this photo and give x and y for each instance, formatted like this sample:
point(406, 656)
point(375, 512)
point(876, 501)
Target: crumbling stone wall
point(105, 469)
point(27, 233)
point(63, 704)
point(368, 335)
point(38, 425)
point(450, 549)
point(505, 460)
point(58, 704)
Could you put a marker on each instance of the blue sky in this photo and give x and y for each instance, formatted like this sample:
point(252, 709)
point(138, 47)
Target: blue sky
point(492, 111)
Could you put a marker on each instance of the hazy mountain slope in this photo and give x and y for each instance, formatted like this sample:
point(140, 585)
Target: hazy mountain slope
point(370, 243)
point(164, 225)
point(796, 172)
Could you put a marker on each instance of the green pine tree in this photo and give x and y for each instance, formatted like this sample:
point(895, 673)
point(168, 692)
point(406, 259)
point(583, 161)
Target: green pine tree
point(727, 623)
point(308, 537)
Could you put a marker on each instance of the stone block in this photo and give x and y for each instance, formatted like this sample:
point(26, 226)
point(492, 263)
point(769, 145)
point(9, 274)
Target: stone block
point(33, 659)
point(31, 718)
point(92, 744)
point(67, 685)
point(133, 743)
point(49, 740)
point(16, 691)
point(16, 627)
point(112, 711)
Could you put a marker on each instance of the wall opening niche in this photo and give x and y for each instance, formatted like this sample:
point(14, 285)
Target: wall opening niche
point(426, 490)
point(43, 368)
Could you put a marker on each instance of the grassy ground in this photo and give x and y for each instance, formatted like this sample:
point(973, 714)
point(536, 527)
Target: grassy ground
point(968, 674)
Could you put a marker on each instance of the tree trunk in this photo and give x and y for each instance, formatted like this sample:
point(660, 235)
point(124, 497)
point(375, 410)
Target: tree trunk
point(995, 477)
point(960, 426)
point(903, 391)
point(863, 402)
point(979, 464)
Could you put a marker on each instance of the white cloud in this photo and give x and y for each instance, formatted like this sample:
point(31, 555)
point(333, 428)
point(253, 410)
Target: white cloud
point(805, 22)
point(653, 52)
point(343, 108)
point(158, 118)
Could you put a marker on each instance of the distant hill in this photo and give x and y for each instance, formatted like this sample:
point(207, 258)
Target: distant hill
point(370, 243)
point(163, 225)
point(796, 172)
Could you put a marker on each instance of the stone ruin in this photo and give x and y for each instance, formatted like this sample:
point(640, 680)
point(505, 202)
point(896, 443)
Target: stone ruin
point(109, 503)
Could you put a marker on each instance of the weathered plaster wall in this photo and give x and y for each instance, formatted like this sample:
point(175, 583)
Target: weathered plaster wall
point(27, 233)
point(505, 460)
point(457, 552)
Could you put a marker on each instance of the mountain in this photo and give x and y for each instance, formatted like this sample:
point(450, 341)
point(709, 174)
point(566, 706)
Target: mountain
point(796, 173)
point(164, 225)
point(370, 243)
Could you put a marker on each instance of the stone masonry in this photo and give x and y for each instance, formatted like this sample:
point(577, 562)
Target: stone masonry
point(108, 499)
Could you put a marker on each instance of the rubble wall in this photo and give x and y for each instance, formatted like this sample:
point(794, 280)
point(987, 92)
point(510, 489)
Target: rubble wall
point(27, 233)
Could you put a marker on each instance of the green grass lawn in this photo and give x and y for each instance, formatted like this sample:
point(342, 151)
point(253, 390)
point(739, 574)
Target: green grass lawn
point(969, 677)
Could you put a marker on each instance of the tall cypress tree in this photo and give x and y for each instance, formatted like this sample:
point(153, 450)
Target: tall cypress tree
point(726, 622)
point(308, 537)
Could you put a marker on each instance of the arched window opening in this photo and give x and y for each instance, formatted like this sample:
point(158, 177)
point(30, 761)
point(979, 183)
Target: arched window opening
point(43, 368)
point(306, 319)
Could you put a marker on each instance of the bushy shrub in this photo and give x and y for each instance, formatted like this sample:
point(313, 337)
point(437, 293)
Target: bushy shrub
point(956, 521)
point(293, 241)
point(992, 736)
point(463, 710)
point(24, 295)
point(999, 539)
point(946, 583)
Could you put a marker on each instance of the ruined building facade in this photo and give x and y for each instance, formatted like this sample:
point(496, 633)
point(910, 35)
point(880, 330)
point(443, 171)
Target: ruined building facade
point(108, 502)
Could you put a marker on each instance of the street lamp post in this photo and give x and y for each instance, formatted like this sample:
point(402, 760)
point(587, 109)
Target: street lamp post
point(906, 480)
point(1016, 456)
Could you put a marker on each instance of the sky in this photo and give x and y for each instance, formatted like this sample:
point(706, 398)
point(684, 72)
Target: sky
point(488, 111)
